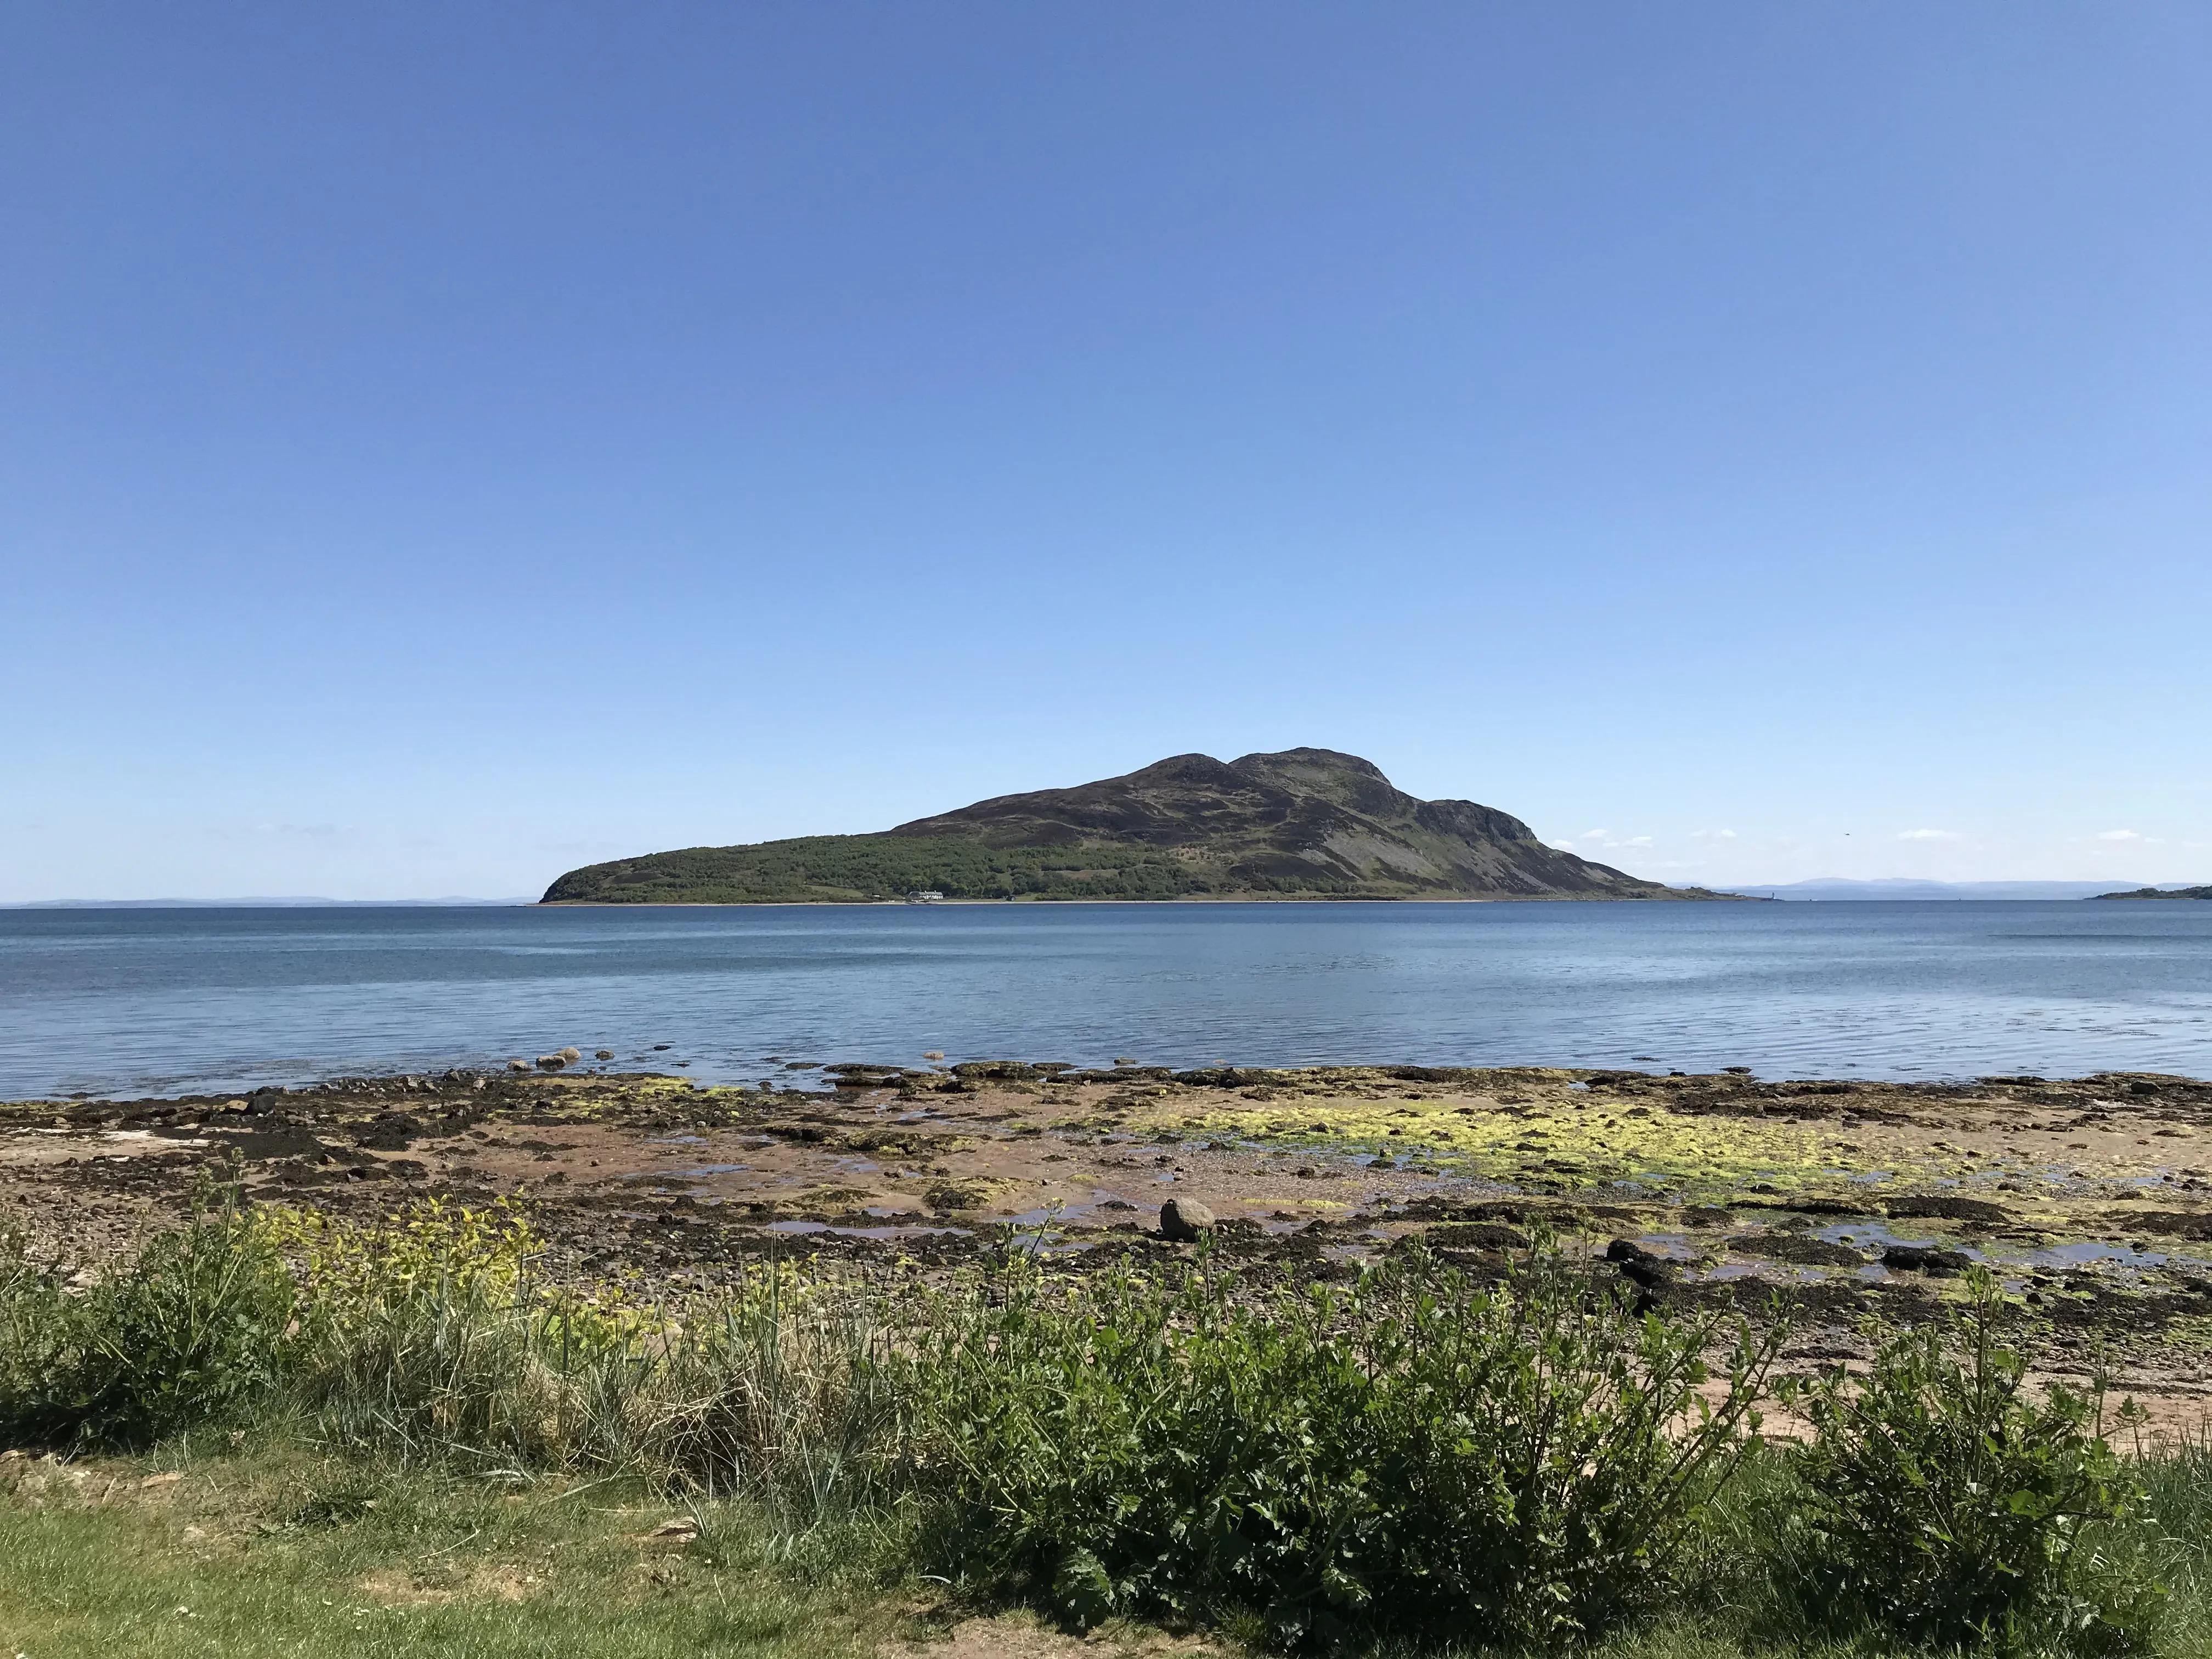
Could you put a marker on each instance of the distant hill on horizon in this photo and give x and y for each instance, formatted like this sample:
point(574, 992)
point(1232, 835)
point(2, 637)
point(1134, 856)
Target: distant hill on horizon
point(251, 903)
point(1301, 823)
point(1905, 887)
point(2204, 892)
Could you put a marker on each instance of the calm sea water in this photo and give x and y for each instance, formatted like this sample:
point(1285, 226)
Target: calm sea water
point(155, 1001)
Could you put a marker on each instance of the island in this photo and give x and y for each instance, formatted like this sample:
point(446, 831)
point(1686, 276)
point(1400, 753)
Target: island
point(1303, 823)
point(2161, 893)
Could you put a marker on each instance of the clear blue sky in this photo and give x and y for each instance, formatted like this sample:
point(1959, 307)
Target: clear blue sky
point(442, 445)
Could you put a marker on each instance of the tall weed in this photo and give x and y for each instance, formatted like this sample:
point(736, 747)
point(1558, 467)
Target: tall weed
point(434, 1343)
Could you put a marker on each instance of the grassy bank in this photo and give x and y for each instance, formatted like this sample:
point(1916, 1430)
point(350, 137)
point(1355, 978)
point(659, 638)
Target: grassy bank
point(1424, 1460)
point(263, 1553)
point(272, 1551)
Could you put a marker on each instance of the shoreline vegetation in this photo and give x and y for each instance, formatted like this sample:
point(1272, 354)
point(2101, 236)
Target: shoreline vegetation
point(1519, 1458)
point(1411, 1360)
point(1303, 823)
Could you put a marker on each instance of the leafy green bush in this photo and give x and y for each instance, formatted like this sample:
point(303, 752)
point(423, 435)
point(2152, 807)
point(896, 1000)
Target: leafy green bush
point(1939, 1501)
point(191, 1333)
point(1521, 1465)
point(33, 1339)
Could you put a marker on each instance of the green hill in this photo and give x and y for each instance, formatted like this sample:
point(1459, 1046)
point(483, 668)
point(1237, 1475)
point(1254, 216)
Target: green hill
point(1303, 823)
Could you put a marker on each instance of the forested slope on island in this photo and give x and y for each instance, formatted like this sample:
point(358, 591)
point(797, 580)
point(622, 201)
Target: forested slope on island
point(1303, 823)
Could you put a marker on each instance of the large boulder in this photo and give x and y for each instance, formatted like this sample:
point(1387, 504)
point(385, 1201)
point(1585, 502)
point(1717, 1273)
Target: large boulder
point(1185, 1221)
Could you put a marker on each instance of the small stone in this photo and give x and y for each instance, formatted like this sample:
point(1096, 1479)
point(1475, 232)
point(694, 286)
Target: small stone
point(518, 1065)
point(1185, 1219)
point(572, 1055)
point(602, 1053)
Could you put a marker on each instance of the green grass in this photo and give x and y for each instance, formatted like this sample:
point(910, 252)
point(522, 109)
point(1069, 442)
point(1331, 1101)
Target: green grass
point(264, 1555)
point(289, 1556)
point(285, 1551)
point(297, 1556)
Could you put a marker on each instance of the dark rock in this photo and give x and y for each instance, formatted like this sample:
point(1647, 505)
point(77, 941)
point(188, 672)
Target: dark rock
point(1477, 1235)
point(1801, 1204)
point(1222, 1076)
point(1925, 1258)
point(1640, 1267)
point(1185, 1219)
point(602, 1053)
point(388, 1131)
point(1943, 1207)
point(260, 1144)
point(1799, 1249)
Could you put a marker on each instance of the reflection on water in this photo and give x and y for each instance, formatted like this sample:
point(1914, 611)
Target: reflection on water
point(185, 1000)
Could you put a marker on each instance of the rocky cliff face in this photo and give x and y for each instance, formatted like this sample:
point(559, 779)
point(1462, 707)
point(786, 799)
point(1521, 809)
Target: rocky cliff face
point(1305, 822)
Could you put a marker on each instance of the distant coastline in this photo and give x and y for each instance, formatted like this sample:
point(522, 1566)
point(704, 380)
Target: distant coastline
point(263, 904)
point(1894, 889)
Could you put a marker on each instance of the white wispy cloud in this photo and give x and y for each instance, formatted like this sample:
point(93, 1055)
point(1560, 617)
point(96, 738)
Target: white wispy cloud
point(1930, 835)
point(1713, 834)
point(1562, 846)
point(1595, 835)
point(2119, 835)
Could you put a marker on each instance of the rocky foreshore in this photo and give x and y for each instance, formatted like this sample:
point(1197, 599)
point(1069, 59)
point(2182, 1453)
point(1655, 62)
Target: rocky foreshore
point(2091, 1196)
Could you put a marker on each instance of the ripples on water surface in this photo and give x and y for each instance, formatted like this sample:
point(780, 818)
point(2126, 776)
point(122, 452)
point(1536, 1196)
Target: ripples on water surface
point(146, 1001)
